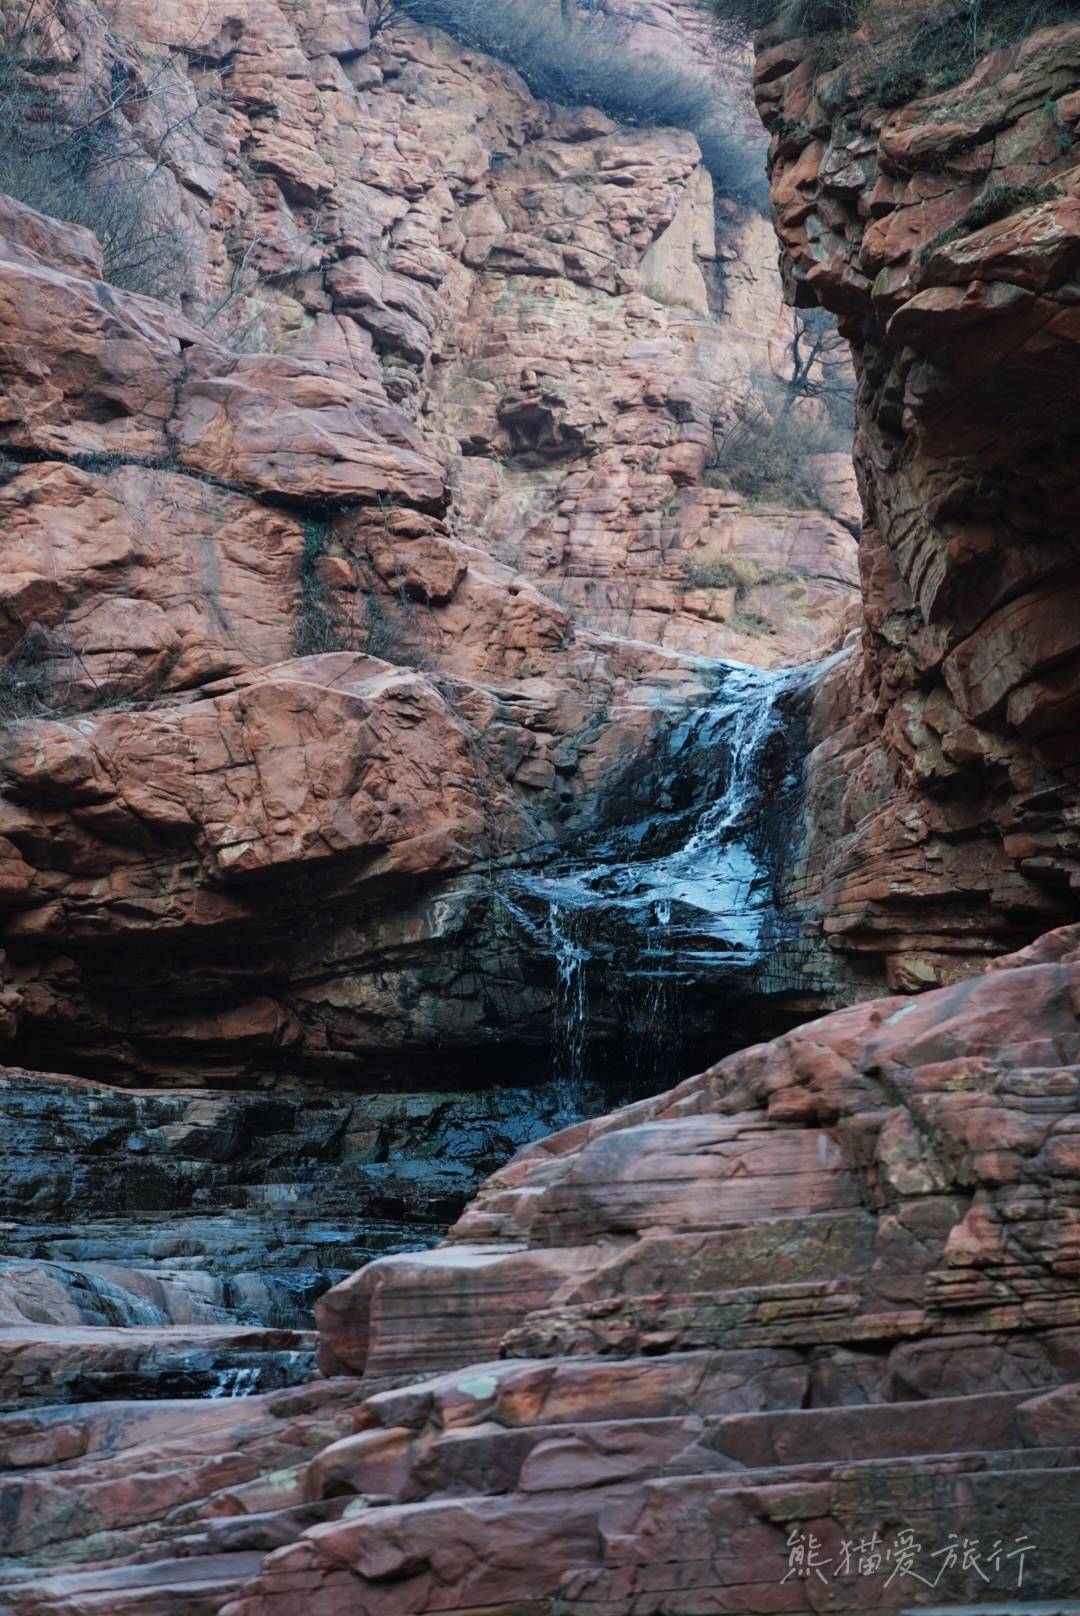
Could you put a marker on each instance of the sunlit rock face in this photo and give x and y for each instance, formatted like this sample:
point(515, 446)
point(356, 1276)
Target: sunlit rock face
point(943, 233)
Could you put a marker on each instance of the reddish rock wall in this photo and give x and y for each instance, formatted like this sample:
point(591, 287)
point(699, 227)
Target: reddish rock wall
point(823, 1294)
point(443, 390)
point(944, 799)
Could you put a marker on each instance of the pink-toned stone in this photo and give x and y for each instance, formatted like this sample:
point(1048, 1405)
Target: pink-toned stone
point(938, 1368)
point(945, 782)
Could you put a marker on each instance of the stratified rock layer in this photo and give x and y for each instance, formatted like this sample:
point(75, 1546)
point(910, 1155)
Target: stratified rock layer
point(773, 1341)
point(824, 1294)
point(944, 234)
point(827, 1289)
point(360, 575)
point(172, 1243)
point(450, 366)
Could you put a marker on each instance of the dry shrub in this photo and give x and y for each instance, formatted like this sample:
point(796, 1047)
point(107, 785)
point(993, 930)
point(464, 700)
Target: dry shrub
point(75, 157)
point(37, 677)
point(740, 20)
point(922, 49)
point(582, 60)
point(711, 567)
point(766, 453)
point(382, 625)
point(931, 46)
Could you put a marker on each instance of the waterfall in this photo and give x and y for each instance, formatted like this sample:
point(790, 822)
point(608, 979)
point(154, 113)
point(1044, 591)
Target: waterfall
point(241, 1380)
point(569, 1014)
point(678, 898)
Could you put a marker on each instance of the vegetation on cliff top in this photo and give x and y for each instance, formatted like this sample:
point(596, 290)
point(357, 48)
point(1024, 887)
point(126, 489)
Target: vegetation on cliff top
point(580, 58)
point(973, 26)
point(770, 447)
point(919, 47)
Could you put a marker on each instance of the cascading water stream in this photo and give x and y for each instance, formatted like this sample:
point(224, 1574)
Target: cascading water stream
point(569, 1016)
point(238, 1381)
point(680, 897)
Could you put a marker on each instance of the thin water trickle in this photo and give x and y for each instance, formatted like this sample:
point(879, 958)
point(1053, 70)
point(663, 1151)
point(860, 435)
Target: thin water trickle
point(241, 1380)
point(570, 1014)
point(676, 894)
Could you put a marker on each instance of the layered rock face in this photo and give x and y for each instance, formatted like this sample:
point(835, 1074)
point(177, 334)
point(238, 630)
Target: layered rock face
point(355, 575)
point(772, 1341)
point(173, 1243)
point(442, 396)
point(800, 1335)
point(943, 233)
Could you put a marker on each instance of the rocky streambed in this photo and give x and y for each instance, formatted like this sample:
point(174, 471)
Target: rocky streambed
point(401, 764)
point(174, 1242)
point(812, 1298)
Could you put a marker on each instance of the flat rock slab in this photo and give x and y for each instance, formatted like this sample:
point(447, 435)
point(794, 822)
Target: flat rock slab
point(184, 1587)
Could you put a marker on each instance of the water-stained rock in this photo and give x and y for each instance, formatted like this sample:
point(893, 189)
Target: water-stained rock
point(447, 372)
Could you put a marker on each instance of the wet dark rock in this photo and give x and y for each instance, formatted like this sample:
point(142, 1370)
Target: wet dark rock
point(174, 1243)
point(49, 1363)
point(671, 929)
point(72, 1149)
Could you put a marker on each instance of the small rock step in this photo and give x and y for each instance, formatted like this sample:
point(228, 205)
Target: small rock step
point(192, 1587)
point(872, 1431)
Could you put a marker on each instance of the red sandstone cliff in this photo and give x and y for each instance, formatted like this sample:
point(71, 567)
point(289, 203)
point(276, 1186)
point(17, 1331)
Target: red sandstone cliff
point(943, 234)
point(825, 1292)
point(449, 371)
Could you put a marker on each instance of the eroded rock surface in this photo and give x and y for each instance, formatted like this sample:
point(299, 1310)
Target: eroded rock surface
point(448, 370)
point(173, 1243)
point(352, 576)
point(943, 233)
point(227, 1473)
point(824, 1290)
